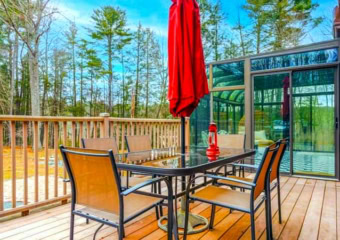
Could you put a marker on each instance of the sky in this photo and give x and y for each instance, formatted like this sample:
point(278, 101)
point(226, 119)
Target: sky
point(154, 13)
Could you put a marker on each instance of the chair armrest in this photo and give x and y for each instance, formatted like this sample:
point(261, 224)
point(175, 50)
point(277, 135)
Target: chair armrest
point(141, 185)
point(66, 180)
point(217, 177)
point(245, 165)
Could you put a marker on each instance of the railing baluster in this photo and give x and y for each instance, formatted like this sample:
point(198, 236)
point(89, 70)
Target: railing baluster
point(111, 129)
point(1, 167)
point(36, 160)
point(88, 130)
point(81, 130)
point(56, 162)
point(128, 133)
point(102, 133)
point(14, 170)
point(137, 129)
point(95, 130)
point(154, 135)
point(133, 125)
point(117, 133)
point(65, 144)
point(73, 134)
point(142, 129)
point(46, 158)
point(25, 159)
point(123, 134)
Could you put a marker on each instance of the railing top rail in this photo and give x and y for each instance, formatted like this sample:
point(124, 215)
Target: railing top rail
point(112, 119)
point(23, 118)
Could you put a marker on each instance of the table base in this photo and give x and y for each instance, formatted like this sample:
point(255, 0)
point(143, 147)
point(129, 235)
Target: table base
point(194, 221)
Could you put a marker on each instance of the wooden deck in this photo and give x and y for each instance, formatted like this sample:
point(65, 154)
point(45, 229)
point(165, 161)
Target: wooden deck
point(310, 210)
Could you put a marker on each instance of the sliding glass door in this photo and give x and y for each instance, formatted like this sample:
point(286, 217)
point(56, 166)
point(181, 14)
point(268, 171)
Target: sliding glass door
point(300, 105)
point(313, 122)
point(271, 113)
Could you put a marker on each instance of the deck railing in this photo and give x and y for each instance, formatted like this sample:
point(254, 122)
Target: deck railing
point(30, 157)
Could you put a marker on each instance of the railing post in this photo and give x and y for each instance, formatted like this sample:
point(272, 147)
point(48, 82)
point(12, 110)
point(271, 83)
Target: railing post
point(105, 127)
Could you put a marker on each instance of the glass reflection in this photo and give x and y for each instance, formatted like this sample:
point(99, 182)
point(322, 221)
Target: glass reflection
point(228, 111)
point(313, 125)
point(199, 123)
point(228, 74)
point(271, 113)
point(296, 59)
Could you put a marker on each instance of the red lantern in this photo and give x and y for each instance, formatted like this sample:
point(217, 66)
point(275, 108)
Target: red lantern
point(213, 150)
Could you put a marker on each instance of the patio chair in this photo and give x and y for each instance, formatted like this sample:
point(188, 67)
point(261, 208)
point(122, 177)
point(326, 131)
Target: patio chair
point(107, 144)
point(237, 141)
point(274, 175)
point(247, 202)
point(97, 193)
point(142, 145)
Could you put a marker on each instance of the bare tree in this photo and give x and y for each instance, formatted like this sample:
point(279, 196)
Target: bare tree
point(30, 20)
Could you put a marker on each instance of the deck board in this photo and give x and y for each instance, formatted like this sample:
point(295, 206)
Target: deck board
point(328, 216)
point(296, 218)
point(311, 224)
point(310, 210)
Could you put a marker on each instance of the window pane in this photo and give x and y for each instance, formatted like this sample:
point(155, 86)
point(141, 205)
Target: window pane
point(228, 74)
point(228, 112)
point(313, 122)
point(271, 113)
point(296, 59)
point(199, 123)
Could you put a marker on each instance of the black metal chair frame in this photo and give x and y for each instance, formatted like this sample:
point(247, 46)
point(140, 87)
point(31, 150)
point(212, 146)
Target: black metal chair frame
point(275, 184)
point(134, 189)
point(250, 186)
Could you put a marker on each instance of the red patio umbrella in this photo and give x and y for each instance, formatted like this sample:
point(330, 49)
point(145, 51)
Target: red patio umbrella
point(187, 77)
point(285, 106)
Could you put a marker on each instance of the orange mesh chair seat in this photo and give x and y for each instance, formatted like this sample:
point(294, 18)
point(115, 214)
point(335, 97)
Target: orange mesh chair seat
point(247, 202)
point(274, 175)
point(97, 193)
point(107, 144)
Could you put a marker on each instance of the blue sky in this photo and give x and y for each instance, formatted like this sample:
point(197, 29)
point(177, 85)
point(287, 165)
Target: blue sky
point(154, 13)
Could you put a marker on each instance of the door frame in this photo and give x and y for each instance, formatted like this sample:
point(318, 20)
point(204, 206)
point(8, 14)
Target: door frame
point(336, 111)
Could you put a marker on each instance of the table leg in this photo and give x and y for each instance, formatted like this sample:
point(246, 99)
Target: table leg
point(195, 220)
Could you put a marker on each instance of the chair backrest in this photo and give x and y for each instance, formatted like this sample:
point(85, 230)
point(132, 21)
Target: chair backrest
point(100, 144)
point(264, 167)
point(94, 178)
point(140, 144)
point(277, 161)
point(231, 140)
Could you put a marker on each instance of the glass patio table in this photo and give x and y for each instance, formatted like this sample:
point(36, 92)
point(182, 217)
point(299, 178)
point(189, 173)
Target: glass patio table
point(169, 162)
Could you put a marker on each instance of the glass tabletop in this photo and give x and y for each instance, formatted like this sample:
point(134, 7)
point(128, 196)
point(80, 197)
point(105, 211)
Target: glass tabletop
point(171, 158)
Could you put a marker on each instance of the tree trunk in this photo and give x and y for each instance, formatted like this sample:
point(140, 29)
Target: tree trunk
point(34, 83)
point(81, 83)
point(45, 78)
point(110, 73)
point(135, 110)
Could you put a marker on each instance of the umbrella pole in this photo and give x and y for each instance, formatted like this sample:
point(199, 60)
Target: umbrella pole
point(183, 149)
point(194, 219)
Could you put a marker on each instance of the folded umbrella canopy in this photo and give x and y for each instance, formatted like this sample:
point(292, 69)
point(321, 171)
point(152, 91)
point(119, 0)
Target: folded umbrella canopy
point(187, 77)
